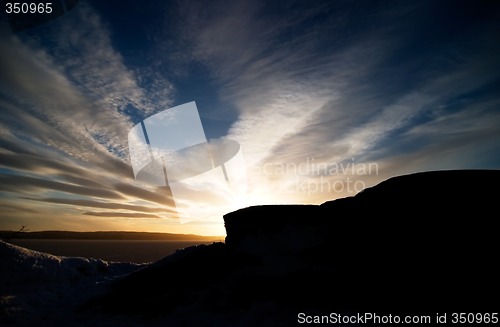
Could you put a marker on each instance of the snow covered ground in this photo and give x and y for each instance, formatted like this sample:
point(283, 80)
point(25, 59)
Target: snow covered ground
point(39, 289)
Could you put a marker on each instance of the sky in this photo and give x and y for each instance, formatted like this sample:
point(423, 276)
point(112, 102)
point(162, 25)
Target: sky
point(324, 98)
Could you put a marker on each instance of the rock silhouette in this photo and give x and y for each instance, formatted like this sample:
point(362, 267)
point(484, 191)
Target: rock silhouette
point(419, 243)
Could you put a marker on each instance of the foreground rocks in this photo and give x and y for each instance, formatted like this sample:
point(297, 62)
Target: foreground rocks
point(420, 243)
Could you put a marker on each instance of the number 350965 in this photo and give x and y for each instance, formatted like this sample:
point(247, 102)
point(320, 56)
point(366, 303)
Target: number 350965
point(28, 8)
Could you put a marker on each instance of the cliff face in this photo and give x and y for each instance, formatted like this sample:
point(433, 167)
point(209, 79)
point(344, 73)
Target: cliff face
point(424, 242)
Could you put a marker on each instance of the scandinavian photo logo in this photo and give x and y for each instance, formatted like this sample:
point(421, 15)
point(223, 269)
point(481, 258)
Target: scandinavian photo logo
point(311, 176)
point(203, 176)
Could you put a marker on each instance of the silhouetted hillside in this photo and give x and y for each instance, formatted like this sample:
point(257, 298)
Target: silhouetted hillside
point(417, 244)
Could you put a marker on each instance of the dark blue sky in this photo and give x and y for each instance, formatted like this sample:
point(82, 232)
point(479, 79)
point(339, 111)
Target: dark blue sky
point(403, 86)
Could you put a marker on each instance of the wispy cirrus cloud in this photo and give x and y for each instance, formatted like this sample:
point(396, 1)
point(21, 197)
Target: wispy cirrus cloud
point(121, 214)
point(101, 204)
point(22, 184)
point(68, 101)
point(346, 93)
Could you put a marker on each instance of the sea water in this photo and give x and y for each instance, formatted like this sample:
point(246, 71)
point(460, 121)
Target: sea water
point(136, 251)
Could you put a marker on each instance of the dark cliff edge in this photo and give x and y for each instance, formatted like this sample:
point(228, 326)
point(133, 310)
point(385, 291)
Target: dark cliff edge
point(422, 243)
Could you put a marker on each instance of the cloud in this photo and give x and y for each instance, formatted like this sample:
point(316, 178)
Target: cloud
point(75, 92)
point(35, 164)
point(12, 207)
point(100, 204)
point(52, 112)
point(304, 92)
point(160, 195)
point(25, 184)
point(68, 101)
point(121, 214)
point(85, 52)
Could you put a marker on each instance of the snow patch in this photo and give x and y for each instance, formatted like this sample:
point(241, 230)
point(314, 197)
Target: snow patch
point(37, 287)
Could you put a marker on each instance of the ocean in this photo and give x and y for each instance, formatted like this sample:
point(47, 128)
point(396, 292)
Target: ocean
point(136, 251)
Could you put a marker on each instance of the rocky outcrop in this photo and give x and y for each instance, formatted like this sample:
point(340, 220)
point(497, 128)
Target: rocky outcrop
point(419, 243)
